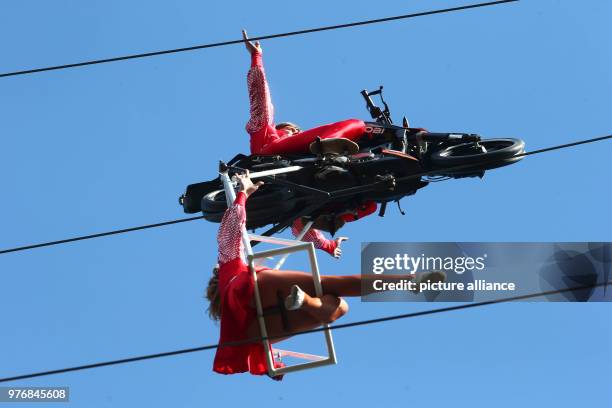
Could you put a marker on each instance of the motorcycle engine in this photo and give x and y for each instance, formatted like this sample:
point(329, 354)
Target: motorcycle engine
point(330, 178)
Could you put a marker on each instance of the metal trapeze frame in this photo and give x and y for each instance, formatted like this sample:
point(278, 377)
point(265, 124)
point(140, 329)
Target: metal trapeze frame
point(288, 247)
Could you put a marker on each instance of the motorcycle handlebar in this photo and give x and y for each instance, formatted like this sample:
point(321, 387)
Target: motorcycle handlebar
point(369, 102)
point(376, 113)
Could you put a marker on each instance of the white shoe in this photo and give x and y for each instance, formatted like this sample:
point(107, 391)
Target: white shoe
point(431, 276)
point(295, 299)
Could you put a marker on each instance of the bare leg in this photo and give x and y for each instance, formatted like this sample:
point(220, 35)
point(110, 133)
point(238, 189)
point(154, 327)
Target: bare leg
point(273, 281)
point(312, 314)
point(315, 310)
point(325, 309)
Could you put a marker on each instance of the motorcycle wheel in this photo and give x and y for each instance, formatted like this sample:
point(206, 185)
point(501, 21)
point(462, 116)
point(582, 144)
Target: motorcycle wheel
point(258, 218)
point(493, 153)
point(264, 207)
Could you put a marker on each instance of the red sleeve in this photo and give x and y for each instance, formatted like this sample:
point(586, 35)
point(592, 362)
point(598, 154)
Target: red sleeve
point(229, 236)
point(315, 236)
point(241, 198)
point(364, 210)
point(262, 111)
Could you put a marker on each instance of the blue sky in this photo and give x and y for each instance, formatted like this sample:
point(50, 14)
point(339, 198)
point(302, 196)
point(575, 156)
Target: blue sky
point(111, 146)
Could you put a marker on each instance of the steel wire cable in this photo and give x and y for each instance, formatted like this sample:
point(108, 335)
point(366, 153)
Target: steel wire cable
point(102, 234)
point(264, 37)
point(300, 333)
point(259, 339)
point(181, 220)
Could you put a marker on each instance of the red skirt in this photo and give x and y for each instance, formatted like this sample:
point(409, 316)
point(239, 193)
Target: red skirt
point(237, 287)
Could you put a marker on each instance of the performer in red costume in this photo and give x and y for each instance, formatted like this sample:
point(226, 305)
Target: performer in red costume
point(230, 292)
point(284, 138)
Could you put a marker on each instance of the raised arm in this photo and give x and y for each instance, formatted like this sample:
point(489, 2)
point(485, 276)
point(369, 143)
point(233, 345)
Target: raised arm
point(262, 111)
point(229, 236)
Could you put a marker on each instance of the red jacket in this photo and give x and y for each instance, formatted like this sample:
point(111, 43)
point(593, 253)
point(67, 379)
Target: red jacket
point(266, 139)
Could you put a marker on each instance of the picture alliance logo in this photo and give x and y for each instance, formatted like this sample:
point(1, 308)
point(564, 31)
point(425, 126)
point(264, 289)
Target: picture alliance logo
point(414, 264)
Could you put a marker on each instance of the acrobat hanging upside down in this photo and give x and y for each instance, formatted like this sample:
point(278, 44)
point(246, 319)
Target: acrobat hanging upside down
point(288, 297)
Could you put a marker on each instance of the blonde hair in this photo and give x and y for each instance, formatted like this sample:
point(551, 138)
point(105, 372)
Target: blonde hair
point(212, 294)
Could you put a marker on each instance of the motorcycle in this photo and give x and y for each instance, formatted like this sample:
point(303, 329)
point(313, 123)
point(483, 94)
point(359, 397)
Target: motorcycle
point(338, 176)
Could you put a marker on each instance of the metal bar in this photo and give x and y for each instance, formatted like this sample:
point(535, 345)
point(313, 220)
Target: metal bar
point(295, 354)
point(267, 173)
point(331, 359)
point(260, 316)
point(300, 367)
point(280, 251)
point(298, 238)
point(273, 240)
point(289, 220)
point(314, 266)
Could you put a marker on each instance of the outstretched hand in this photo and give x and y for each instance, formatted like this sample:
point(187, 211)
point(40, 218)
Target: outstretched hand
point(338, 251)
point(252, 48)
point(246, 184)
